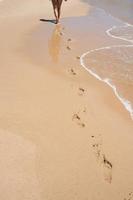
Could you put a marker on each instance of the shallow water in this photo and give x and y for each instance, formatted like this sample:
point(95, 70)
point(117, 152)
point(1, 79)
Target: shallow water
point(122, 9)
point(113, 64)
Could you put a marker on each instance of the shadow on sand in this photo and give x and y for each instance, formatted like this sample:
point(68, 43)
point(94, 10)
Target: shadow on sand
point(48, 20)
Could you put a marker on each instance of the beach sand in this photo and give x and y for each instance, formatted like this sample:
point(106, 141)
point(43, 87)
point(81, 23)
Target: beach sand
point(64, 135)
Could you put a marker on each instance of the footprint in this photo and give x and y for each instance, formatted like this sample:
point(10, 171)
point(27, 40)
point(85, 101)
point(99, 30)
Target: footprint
point(81, 91)
point(81, 124)
point(76, 116)
point(105, 164)
point(78, 57)
point(61, 33)
point(77, 119)
point(129, 197)
point(84, 110)
point(68, 48)
point(97, 150)
point(107, 169)
point(69, 40)
point(72, 71)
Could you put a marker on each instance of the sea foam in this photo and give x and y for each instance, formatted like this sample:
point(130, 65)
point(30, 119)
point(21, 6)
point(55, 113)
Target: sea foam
point(126, 103)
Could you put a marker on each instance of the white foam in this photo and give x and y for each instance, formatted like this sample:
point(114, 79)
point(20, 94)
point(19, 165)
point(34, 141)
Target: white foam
point(118, 37)
point(124, 101)
point(127, 104)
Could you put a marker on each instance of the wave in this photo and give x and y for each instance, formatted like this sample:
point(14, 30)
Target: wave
point(112, 32)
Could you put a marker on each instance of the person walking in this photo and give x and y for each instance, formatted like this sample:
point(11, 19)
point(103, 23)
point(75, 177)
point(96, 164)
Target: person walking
point(57, 9)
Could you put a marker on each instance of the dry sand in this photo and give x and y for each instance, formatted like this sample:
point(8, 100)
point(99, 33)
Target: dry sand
point(63, 134)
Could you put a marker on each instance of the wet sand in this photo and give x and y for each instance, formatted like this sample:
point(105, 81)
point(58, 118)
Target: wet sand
point(63, 134)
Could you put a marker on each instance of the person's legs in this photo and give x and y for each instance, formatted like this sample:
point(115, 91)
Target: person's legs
point(59, 2)
point(56, 15)
point(55, 6)
point(59, 10)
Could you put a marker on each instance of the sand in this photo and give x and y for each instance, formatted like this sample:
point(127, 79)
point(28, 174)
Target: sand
point(63, 134)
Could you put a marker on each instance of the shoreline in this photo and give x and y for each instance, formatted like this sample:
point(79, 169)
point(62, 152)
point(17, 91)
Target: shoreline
point(126, 103)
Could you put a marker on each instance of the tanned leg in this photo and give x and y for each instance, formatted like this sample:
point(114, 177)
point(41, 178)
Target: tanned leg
point(59, 7)
point(59, 12)
point(54, 3)
point(56, 16)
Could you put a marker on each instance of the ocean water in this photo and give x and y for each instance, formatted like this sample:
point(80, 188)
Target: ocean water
point(113, 64)
point(122, 9)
